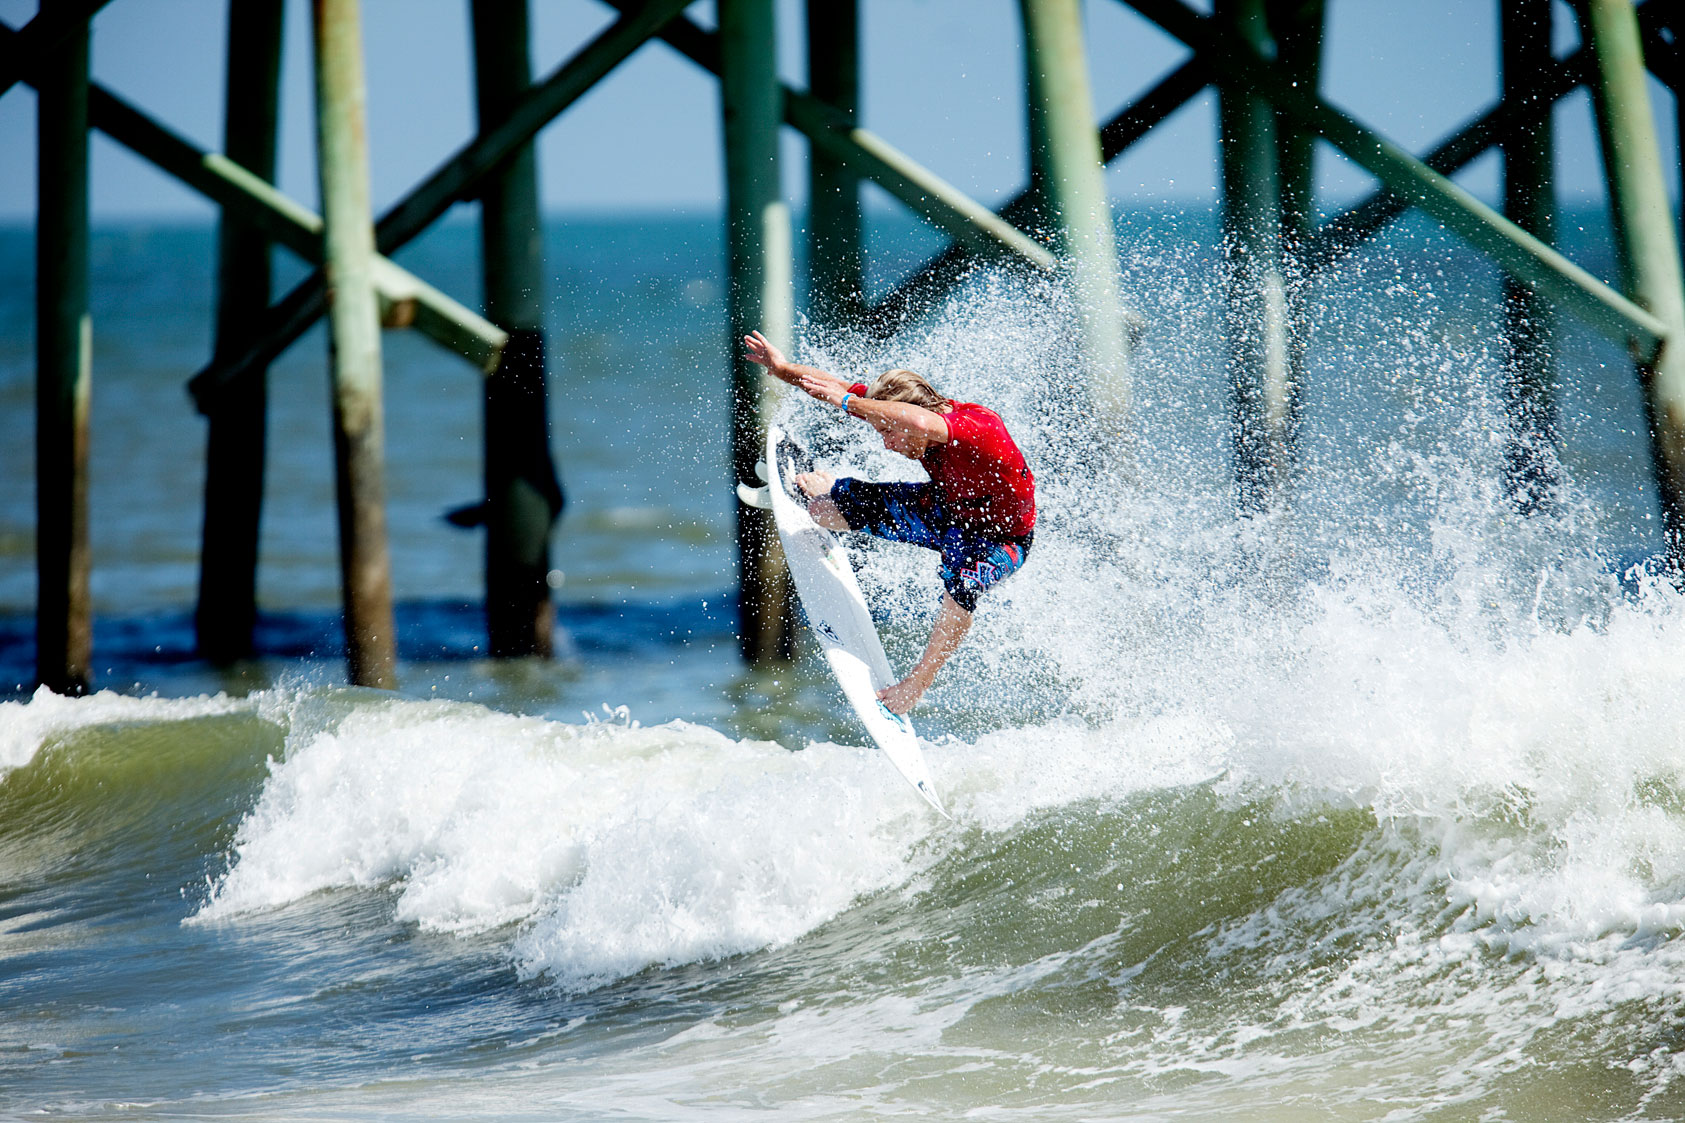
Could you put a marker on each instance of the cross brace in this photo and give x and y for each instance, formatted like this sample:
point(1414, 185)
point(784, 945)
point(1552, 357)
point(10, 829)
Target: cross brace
point(941, 272)
point(40, 38)
point(405, 299)
point(454, 181)
point(1350, 228)
point(917, 188)
point(1520, 253)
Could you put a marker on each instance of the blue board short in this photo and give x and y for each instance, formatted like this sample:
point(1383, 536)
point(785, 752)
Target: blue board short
point(972, 560)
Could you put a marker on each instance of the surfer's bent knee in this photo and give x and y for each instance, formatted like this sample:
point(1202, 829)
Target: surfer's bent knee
point(825, 513)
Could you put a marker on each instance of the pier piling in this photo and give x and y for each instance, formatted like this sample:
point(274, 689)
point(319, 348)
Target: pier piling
point(1529, 380)
point(836, 287)
point(523, 495)
point(1262, 393)
point(1067, 180)
point(64, 367)
point(237, 419)
point(1297, 27)
point(758, 284)
point(1645, 238)
point(354, 343)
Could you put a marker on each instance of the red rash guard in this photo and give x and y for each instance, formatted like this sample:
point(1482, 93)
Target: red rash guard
point(979, 472)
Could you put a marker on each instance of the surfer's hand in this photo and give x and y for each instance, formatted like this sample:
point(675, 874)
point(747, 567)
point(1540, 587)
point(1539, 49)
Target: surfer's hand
point(758, 349)
point(823, 386)
point(815, 485)
point(901, 697)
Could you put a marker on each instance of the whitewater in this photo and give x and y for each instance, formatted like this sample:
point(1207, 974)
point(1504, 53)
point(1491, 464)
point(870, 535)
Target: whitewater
point(1368, 808)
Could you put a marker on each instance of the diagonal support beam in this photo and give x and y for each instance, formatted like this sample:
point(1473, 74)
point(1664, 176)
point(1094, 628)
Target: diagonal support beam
point(1152, 108)
point(1518, 252)
point(456, 180)
point(41, 37)
point(1354, 226)
point(917, 188)
point(405, 299)
point(937, 276)
point(1661, 56)
point(1351, 228)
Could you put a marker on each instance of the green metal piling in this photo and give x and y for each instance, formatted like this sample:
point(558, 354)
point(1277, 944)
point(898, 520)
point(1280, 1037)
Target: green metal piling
point(1530, 449)
point(1068, 179)
point(63, 368)
point(523, 495)
point(237, 425)
point(758, 297)
point(836, 288)
point(1645, 237)
point(1297, 27)
point(354, 343)
point(1263, 396)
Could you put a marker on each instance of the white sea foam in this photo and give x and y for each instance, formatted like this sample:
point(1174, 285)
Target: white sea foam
point(26, 726)
point(1476, 681)
point(614, 846)
point(1536, 805)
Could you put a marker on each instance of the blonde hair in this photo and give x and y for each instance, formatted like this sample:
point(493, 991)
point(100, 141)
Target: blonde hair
point(905, 386)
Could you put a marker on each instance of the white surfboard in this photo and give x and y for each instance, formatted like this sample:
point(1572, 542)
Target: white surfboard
point(837, 612)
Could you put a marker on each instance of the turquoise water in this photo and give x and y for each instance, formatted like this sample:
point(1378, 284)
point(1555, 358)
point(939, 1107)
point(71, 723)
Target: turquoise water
point(1371, 810)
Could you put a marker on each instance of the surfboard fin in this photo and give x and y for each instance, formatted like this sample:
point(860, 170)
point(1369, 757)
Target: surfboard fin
point(760, 471)
point(754, 496)
point(931, 798)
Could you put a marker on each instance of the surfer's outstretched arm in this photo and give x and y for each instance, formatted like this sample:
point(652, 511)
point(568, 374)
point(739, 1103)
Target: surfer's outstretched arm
point(758, 349)
point(951, 625)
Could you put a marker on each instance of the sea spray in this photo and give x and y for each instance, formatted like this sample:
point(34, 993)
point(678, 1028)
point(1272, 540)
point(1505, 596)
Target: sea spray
point(1369, 807)
point(613, 847)
point(1494, 689)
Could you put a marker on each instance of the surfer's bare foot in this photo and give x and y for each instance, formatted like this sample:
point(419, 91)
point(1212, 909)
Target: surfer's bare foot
point(901, 697)
point(815, 485)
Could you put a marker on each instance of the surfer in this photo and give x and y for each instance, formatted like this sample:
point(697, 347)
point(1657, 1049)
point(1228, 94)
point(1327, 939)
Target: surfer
point(978, 510)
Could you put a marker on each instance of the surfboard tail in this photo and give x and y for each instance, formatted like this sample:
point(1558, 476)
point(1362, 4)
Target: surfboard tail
point(933, 799)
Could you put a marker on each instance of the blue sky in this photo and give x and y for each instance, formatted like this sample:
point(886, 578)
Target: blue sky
point(942, 79)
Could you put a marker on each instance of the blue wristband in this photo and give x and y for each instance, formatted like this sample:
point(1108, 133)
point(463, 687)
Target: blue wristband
point(845, 401)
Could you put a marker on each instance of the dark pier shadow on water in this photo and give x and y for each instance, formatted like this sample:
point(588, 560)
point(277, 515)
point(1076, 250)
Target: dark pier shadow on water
point(158, 650)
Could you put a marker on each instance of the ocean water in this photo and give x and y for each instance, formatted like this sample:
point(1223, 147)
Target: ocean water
point(1371, 809)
